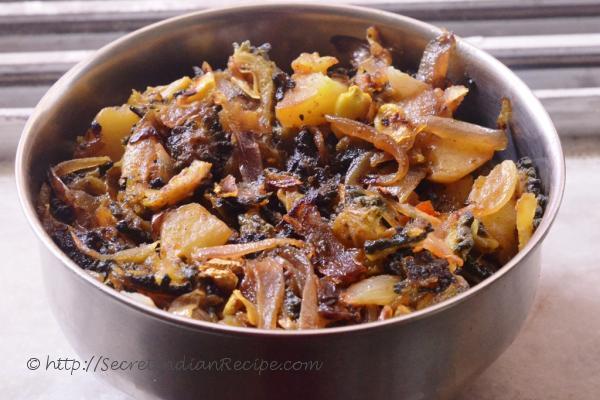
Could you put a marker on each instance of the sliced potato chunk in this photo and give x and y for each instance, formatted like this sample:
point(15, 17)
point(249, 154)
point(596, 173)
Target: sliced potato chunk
point(189, 227)
point(501, 226)
point(492, 192)
point(526, 206)
point(314, 96)
point(116, 124)
point(450, 161)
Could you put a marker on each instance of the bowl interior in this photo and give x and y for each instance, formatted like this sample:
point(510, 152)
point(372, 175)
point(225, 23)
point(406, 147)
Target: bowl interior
point(168, 50)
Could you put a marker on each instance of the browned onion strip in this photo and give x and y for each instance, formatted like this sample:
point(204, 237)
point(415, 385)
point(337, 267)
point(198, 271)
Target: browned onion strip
point(248, 156)
point(240, 250)
point(134, 255)
point(358, 168)
point(470, 134)
point(379, 140)
point(320, 143)
point(434, 63)
point(78, 164)
point(309, 309)
point(270, 287)
point(179, 187)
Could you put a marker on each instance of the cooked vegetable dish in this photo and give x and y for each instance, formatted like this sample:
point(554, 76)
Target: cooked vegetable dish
point(341, 193)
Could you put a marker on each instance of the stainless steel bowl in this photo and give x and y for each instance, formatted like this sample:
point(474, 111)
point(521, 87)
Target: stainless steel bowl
point(429, 354)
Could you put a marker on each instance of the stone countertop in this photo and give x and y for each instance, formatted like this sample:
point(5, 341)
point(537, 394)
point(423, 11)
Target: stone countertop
point(556, 355)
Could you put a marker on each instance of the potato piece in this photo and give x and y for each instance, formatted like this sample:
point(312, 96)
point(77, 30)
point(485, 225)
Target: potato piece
point(189, 227)
point(501, 225)
point(450, 161)
point(492, 192)
point(314, 96)
point(526, 206)
point(116, 124)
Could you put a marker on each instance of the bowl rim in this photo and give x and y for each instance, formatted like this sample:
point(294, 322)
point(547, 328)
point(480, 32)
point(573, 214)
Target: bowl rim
point(555, 157)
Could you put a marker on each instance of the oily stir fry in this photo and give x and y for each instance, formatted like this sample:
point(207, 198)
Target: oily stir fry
point(344, 192)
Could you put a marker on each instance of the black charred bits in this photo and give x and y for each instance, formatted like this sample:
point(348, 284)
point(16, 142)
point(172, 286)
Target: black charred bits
point(61, 211)
point(64, 240)
point(404, 238)
point(425, 272)
point(207, 143)
point(283, 83)
point(292, 303)
point(533, 184)
point(476, 269)
point(90, 143)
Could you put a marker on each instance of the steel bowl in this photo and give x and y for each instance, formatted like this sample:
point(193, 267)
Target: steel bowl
point(430, 354)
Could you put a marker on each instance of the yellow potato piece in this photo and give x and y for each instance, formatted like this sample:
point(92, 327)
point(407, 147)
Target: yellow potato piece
point(449, 161)
point(492, 192)
point(501, 225)
point(116, 124)
point(314, 96)
point(189, 227)
point(526, 206)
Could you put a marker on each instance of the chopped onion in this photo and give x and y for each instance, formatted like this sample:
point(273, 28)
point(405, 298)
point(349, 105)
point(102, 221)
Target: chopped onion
point(309, 309)
point(240, 250)
point(467, 134)
point(179, 187)
point(78, 164)
point(134, 255)
point(270, 288)
point(381, 141)
point(376, 290)
point(439, 248)
point(413, 212)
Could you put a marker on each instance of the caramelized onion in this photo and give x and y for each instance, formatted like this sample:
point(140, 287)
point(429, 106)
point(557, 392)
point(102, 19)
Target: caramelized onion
point(309, 316)
point(78, 164)
point(270, 287)
point(134, 255)
point(467, 134)
point(381, 141)
point(240, 250)
point(376, 290)
point(435, 60)
point(248, 156)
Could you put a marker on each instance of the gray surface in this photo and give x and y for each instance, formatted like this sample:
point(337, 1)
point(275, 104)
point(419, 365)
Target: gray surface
point(556, 356)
